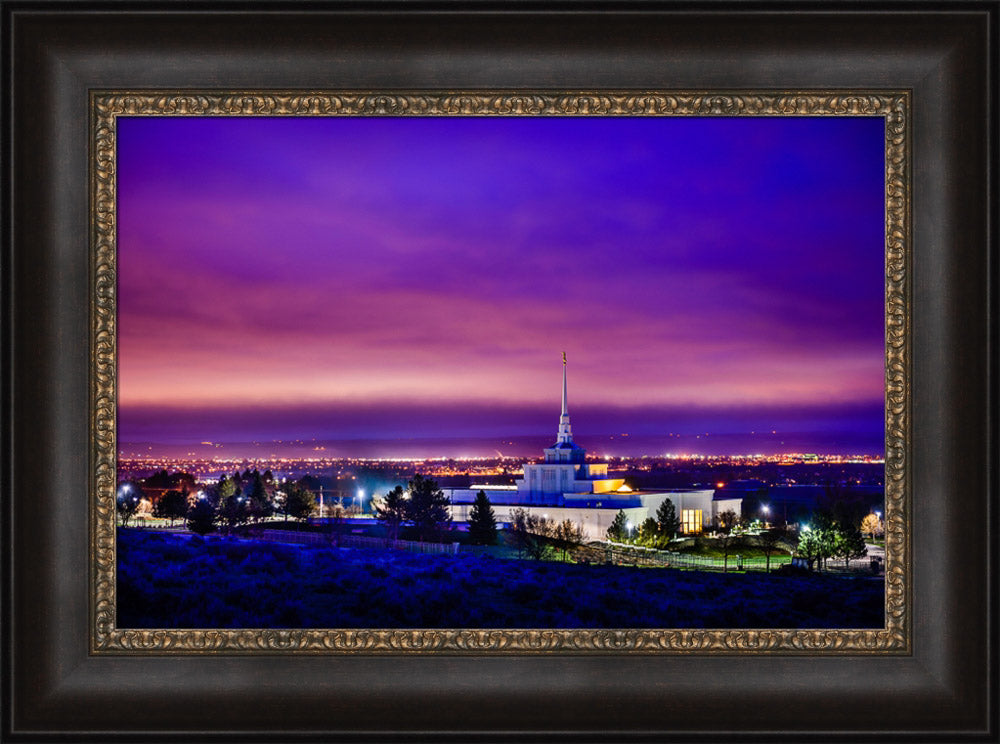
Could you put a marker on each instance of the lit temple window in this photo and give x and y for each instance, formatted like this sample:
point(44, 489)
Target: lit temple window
point(691, 521)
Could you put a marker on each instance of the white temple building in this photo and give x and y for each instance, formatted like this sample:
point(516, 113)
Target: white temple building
point(565, 486)
point(565, 473)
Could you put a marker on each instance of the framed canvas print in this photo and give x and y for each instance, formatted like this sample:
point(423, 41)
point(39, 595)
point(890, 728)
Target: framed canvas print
point(521, 372)
point(295, 343)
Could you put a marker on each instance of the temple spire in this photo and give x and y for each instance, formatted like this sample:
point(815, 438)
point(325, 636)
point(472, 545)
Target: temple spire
point(565, 411)
point(565, 434)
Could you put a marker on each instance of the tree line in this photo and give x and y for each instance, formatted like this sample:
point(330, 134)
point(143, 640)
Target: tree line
point(834, 533)
point(652, 533)
point(828, 537)
point(421, 506)
point(227, 506)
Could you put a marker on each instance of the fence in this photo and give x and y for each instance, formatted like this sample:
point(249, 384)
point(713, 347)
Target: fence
point(642, 556)
point(357, 541)
point(736, 562)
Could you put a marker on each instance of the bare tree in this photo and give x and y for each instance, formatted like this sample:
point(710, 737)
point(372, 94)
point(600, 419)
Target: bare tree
point(872, 525)
point(532, 534)
point(768, 541)
point(728, 542)
point(568, 535)
point(728, 519)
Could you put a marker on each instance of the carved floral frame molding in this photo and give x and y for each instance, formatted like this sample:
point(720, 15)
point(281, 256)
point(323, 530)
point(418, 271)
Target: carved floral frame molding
point(106, 638)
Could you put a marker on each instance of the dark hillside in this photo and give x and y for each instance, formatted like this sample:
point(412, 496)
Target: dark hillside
point(176, 581)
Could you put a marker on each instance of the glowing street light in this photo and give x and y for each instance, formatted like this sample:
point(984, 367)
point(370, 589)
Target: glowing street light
point(361, 499)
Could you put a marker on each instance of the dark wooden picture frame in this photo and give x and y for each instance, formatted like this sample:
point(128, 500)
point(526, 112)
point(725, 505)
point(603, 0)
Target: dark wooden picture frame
point(54, 56)
point(890, 110)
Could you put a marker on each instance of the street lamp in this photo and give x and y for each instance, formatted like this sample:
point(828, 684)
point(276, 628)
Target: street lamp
point(361, 500)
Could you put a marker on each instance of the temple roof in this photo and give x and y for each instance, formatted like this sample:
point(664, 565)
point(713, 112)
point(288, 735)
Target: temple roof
point(565, 446)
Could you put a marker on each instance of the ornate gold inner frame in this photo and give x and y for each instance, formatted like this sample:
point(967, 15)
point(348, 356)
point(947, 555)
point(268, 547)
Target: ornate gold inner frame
point(105, 108)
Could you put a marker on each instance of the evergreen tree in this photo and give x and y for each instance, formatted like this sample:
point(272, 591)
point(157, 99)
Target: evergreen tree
point(826, 536)
point(225, 488)
point(257, 499)
point(618, 531)
point(666, 519)
point(849, 543)
point(160, 480)
point(390, 510)
point(226, 491)
point(427, 507)
point(649, 533)
point(299, 503)
point(482, 521)
point(201, 518)
point(234, 511)
point(171, 505)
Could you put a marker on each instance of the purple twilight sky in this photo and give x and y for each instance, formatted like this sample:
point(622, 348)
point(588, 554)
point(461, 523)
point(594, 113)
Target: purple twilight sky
point(345, 278)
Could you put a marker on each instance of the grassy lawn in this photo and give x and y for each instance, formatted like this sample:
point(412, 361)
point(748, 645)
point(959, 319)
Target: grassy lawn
point(168, 580)
point(712, 551)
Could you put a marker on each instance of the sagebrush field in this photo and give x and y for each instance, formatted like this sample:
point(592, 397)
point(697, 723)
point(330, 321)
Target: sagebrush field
point(179, 581)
